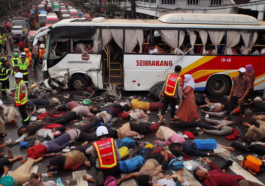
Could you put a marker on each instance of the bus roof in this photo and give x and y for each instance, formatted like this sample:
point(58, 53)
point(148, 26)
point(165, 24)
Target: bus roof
point(158, 24)
point(227, 19)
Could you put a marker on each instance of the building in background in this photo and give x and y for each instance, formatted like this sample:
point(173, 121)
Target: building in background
point(157, 8)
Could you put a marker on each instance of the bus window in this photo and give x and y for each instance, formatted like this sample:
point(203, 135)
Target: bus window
point(58, 48)
point(83, 46)
point(216, 38)
point(133, 41)
point(171, 40)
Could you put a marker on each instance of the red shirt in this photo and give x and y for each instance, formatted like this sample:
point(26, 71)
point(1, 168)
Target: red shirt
point(37, 151)
point(218, 178)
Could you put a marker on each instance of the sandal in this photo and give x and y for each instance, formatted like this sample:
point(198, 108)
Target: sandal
point(3, 134)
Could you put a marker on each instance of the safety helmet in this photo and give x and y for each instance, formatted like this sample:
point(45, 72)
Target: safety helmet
point(102, 131)
point(19, 75)
point(3, 58)
point(23, 55)
point(42, 46)
point(16, 54)
point(26, 50)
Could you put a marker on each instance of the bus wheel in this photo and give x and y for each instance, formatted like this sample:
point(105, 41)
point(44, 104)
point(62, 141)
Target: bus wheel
point(79, 83)
point(218, 85)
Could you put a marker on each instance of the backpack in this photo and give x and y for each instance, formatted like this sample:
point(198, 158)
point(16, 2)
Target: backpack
point(175, 164)
point(132, 164)
point(110, 181)
point(128, 142)
point(240, 145)
point(253, 164)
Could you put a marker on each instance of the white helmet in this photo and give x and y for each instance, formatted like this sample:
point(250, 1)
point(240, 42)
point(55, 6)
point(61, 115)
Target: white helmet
point(42, 46)
point(23, 55)
point(102, 131)
point(19, 75)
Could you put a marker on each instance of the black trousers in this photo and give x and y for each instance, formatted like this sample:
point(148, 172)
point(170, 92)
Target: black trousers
point(24, 115)
point(64, 119)
point(26, 79)
point(173, 102)
point(84, 135)
point(5, 86)
point(232, 104)
point(36, 60)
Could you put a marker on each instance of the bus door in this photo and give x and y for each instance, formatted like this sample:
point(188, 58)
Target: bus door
point(112, 56)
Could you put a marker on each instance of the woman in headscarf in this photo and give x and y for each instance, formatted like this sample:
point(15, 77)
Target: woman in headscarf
point(187, 109)
point(250, 73)
point(69, 161)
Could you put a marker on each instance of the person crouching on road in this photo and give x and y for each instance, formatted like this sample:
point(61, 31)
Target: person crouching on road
point(104, 154)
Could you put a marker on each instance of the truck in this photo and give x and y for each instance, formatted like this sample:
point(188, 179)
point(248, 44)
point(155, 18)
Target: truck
point(17, 26)
point(56, 7)
point(42, 19)
point(41, 8)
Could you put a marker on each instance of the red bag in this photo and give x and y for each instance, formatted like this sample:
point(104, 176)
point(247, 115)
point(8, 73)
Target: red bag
point(189, 134)
point(52, 126)
point(55, 116)
point(234, 135)
point(42, 116)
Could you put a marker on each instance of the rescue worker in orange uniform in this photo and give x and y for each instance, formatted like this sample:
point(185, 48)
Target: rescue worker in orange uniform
point(42, 51)
point(21, 97)
point(104, 154)
point(28, 55)
point(172, 89)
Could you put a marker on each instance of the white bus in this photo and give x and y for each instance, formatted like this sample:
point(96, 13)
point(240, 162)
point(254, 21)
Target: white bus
point(82, 52)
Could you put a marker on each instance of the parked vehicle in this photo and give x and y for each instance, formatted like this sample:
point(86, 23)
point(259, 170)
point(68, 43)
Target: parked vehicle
point(65, 16)
point(42, 19)
point(51, 19)
point(56, 7)
point(73, 13)
point(87, 16)
point(63, 12)
point(17, 26)
point(212, 73)
point(41, 7)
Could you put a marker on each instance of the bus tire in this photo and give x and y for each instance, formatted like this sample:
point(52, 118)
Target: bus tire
point(218, 85)
point(156, 89)
point(79, 83)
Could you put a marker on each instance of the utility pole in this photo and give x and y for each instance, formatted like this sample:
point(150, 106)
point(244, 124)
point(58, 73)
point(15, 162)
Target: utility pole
point(133, 9)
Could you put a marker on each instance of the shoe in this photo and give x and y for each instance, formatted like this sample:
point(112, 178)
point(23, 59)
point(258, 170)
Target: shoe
point(100, 178)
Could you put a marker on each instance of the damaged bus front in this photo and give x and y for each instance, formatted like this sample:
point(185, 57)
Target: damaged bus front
point(72, 58)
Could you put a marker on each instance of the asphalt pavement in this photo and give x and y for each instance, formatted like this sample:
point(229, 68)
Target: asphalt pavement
point(11, 130)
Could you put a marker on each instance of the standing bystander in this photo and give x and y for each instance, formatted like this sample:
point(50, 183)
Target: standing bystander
point(171, 89)
point(239, 90)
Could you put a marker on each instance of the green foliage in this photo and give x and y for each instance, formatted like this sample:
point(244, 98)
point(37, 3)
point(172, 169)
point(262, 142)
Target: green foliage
point(78, 3)
point(112, 7)
point(17, 6)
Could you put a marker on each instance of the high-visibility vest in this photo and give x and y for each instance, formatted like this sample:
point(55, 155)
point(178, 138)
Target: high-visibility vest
point(23, 67)
point(41, 52)
point(171, 85)
point(106, 153)
point(15, 61)
point(1, 40)
point(4, 72)
point(18, 93)
point(29, 56)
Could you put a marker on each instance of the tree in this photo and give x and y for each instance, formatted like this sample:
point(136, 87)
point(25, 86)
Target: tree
point(111, 8)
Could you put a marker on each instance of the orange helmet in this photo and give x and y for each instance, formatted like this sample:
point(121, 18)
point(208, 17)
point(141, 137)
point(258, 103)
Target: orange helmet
point(26, 50)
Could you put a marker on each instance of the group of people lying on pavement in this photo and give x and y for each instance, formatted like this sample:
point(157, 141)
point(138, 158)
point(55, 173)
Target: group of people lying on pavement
point(152, 158)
